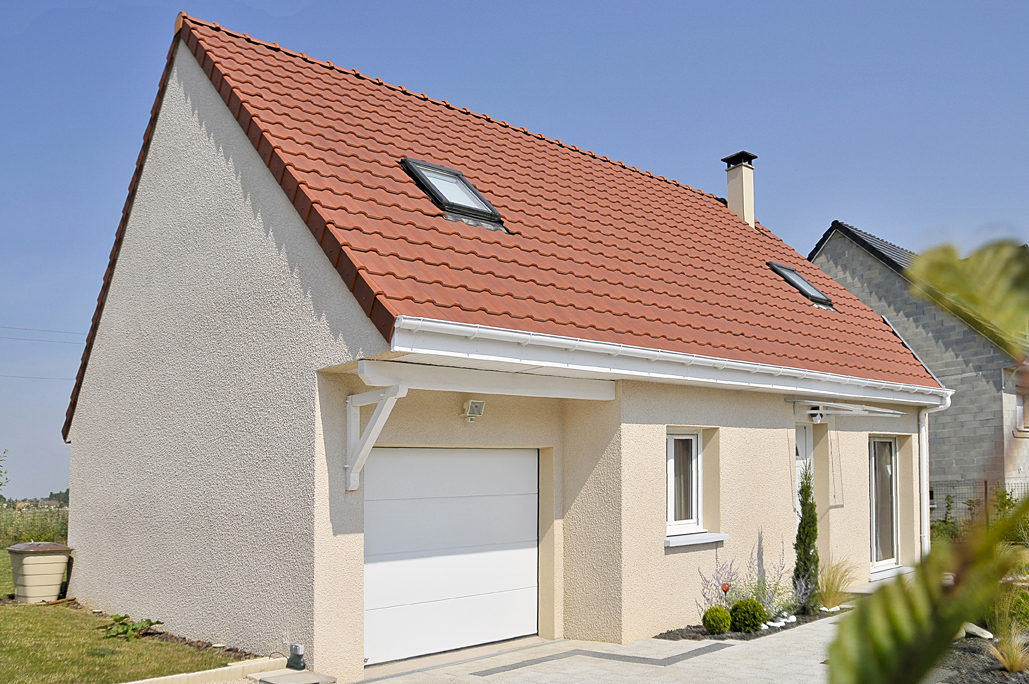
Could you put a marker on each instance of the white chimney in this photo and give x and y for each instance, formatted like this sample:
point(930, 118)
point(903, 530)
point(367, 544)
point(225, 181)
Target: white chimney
point(741, 184)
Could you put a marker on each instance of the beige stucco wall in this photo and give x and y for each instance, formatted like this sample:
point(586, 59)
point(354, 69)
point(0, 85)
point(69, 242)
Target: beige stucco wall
point(194, 441)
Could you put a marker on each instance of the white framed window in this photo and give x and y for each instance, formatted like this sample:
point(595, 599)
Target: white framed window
point(882, 461)
point(804, 451)
point(684, 469)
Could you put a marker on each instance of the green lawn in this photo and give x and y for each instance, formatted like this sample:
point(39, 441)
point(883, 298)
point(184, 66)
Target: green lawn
point(56, 645)
point(6, 579)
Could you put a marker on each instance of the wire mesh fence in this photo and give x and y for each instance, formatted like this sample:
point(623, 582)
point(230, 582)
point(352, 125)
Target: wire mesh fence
point(960, 500)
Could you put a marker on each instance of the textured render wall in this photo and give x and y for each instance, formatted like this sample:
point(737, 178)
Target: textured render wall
point(965, 441)
point(661, 586)
point(434, 419)
point(592, 520)
point(849, 512)
point(194, 444)
point(421, 419)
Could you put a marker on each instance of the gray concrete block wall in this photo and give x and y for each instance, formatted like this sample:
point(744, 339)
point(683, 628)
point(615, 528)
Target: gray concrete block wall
point(965, 441)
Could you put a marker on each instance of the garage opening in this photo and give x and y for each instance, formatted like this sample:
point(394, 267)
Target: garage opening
point(451, 549)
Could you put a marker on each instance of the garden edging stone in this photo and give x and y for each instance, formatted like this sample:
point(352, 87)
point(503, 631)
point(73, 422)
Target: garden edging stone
point(220, 674)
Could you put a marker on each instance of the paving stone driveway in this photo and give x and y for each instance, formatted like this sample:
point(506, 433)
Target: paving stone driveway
point(794, 655)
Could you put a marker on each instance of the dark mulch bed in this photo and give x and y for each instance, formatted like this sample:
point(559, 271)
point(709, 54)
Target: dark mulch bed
point(234, 653)
point(974, 663)
point(698, 633)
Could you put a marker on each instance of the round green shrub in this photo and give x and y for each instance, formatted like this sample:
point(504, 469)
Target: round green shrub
point(717, 620)
point(747, 616)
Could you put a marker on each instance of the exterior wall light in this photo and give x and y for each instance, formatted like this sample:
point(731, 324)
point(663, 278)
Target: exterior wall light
point(473, 409)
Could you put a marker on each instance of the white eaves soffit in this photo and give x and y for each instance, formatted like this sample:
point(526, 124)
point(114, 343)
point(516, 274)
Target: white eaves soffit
point(457, 344)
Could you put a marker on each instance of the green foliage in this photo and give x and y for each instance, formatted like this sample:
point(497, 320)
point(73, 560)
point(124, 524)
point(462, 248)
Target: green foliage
point(896, 635)
point(717, 620)
point(946, 529)
point(60, 497)
point(1020, 609)
point(1003, 501)
point(805, 572)
point(747, 616)
point(123, 626)
point(989, 290)
point(33, 525)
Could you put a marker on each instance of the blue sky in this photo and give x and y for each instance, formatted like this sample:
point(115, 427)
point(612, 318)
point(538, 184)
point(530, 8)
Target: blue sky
point(907, 120)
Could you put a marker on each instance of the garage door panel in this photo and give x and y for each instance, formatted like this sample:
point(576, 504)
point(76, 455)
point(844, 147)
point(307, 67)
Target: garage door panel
point(398, 581)
point(451, 550)
point(443, 473)
point(446, 625)
point(404, 525)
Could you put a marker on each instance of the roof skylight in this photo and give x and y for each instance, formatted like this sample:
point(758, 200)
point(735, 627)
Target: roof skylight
point(451, 191)
point(798, 281)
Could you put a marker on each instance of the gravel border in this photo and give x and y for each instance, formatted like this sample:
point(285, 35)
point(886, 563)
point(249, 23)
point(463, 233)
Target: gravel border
point(974, 664)
point(698, 633)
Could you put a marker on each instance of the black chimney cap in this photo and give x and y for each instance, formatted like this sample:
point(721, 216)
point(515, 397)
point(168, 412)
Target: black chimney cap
point(741, 157)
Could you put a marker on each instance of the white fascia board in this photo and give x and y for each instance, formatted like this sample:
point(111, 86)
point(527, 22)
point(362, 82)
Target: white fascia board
point(557, 354)
point(448, 379)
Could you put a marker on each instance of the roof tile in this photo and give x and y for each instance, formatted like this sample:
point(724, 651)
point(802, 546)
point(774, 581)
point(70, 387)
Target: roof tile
point(597, 249)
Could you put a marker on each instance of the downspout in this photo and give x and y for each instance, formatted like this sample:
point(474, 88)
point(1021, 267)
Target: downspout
point(923, 468)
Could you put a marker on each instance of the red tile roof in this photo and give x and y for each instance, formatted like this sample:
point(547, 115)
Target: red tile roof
point(598, 250)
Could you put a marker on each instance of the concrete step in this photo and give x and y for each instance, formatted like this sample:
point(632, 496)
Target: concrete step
point(291, 677)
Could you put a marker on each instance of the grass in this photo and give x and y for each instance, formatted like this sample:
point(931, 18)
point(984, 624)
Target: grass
point(834, 579)
point(1004, 620)
point(58, 644)
point(6, 579)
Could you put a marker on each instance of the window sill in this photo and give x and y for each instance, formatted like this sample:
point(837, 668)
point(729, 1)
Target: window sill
point(1020, 434)
point(878, 574)
point(695, 539)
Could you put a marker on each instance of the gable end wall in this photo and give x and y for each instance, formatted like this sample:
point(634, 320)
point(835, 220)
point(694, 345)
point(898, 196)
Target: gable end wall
point(965, 441)
point(195, 453)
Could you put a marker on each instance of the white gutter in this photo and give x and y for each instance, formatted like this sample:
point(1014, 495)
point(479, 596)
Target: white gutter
point(923, 470)
point(576, 357)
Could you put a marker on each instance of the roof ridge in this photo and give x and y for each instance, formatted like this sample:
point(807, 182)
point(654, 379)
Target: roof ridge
point(873, 235)
point(422, 96)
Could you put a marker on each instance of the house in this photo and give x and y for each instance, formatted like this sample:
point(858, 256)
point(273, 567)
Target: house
point(440, 381)
point(981, 438)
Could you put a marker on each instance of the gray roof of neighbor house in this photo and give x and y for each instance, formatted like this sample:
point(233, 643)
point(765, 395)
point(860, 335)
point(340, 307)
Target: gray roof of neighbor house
point(890, 254)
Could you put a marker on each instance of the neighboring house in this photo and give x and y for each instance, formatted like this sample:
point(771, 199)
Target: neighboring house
point(969, 440)
point(441, 381)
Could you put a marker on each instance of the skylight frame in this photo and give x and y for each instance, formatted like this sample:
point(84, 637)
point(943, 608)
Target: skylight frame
point(802, 284)
point(414, 169)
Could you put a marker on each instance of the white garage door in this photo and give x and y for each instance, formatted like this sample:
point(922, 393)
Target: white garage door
point(450, 549)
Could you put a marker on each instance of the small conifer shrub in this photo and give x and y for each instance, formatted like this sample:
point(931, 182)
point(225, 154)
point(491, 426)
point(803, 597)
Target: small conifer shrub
point(717, 620)
point(747, 616)
point(805, 572)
